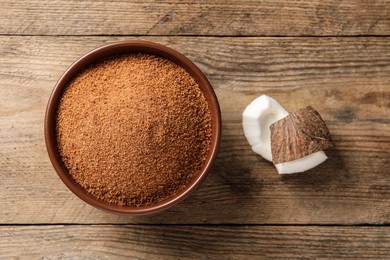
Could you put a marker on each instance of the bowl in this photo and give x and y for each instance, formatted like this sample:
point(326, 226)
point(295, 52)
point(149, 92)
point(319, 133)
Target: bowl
point(127, 47)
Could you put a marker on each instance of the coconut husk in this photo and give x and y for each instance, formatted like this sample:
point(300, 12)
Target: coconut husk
point(299, 134)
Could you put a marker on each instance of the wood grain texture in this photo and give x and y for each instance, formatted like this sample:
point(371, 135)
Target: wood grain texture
point(195, 242)
point(346, 79)
point(232, 17)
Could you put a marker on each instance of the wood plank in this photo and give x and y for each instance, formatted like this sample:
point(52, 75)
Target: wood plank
point(232, 17)
point(346, 79)
point(197, 242)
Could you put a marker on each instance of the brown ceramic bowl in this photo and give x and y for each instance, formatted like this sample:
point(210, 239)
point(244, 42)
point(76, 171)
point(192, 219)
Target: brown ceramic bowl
point(105, 52)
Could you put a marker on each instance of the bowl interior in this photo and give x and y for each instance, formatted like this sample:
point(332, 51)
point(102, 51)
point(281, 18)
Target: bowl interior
point(116, 49)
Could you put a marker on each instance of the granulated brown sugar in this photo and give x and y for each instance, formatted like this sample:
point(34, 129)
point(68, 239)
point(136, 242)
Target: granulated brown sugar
point(133, 130)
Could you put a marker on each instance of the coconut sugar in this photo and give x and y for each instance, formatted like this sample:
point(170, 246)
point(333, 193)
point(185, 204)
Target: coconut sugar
point(133, 130)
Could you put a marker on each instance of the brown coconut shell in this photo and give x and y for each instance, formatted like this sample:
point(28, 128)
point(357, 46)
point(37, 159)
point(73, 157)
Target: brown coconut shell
point(299, 134)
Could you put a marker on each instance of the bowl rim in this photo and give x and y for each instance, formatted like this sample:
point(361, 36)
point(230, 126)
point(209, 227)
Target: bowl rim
point(109, 50)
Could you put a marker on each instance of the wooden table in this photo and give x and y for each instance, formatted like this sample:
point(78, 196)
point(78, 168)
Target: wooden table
point(331, 55)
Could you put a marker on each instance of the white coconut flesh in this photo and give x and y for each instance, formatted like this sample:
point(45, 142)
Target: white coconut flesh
point(258, 116)
point(302, 164)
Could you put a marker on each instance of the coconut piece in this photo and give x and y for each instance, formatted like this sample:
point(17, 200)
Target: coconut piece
point(304, 129)
point(298, 135)
point(256, 120)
